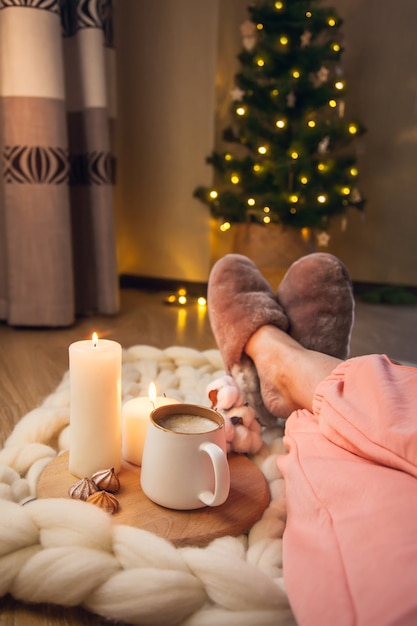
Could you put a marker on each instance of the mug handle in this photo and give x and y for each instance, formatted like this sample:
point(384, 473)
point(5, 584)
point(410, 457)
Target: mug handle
point(221, 475)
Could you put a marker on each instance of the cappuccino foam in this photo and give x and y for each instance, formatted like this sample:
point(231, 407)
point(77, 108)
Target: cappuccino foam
point(185, 423)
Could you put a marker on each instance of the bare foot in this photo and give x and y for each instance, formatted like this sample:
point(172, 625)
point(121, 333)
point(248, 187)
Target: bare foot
point(267, 349)
point(288, 373)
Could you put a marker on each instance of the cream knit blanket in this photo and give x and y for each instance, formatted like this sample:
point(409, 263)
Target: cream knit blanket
point(71, 553)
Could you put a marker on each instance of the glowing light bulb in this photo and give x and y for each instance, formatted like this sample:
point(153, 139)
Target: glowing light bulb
point(225, 226)
point(266, 219)
point(308, 14)
point(201, 301)
point(235, 179)
point(241, 111)
point(266, 209)
point(331, 21)
point(279, 5)
point(339, 85)
point(336, 47)
point(182, 291)
point(345, 191)
point(311, 123)
point(294, 198)
point(322, 198)
point(295, 74)
point(303, 180)
point(257, 168)
point(280, 123)
point(353, 171)
point(262, 149)
point(182, 300)
point(213, 194)
point(260, 62)
point(294, 155)
point(259, 26)
point(305, 233)
point(332, 104)
point(283, 40)
point(251, 201)
point(353, 129)
point(275, 92)
point(321, 167)
point(171, 299)
point(228, 157)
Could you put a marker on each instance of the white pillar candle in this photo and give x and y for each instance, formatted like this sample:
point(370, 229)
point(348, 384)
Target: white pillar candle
point(95, 406)
point(135, 421)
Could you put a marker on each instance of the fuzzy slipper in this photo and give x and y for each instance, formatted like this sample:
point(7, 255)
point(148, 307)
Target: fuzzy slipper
point(240, 301)
point(317, 296)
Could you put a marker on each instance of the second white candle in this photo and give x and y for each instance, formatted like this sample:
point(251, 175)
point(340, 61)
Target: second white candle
point(135, 420)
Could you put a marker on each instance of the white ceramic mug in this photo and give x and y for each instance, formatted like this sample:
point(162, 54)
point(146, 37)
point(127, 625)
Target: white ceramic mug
point(184, 463)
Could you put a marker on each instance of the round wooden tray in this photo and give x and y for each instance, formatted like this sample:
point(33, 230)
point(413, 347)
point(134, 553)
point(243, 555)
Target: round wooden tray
point(248, 498)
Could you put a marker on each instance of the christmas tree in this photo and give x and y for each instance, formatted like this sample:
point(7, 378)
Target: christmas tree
point(292, 161)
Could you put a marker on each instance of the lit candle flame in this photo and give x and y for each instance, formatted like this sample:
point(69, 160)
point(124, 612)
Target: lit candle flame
point(152, 393)
point(94, 340)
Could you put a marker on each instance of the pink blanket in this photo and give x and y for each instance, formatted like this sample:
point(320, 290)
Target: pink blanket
point(350, 544)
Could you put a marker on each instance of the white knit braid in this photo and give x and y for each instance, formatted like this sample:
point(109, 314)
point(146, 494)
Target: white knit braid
point(71, 553)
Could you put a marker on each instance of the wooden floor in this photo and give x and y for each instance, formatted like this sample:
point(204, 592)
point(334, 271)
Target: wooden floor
point(33, 361)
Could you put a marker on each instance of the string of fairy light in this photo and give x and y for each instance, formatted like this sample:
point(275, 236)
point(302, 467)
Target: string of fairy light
point(182, 298)
point(299, 180)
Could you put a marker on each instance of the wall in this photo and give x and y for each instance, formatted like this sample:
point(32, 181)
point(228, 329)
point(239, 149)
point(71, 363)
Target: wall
point(175, 65)
point(380, 63)
point(166, 56)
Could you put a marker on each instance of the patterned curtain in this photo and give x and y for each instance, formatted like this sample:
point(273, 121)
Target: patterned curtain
point(57, 240)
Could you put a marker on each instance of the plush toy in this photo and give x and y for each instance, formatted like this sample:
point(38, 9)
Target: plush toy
point(243, 431)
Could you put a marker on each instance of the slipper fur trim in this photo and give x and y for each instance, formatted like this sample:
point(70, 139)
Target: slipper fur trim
point(317, 296)
point(240, 301)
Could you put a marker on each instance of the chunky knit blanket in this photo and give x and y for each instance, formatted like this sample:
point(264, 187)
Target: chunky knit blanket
point(71, 553)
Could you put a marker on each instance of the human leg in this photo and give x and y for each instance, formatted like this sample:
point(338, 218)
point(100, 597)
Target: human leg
point(241, 302)
point(287, 371)
point(350, 543)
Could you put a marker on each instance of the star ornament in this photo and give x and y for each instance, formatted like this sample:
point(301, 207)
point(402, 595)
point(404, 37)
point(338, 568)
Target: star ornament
point(323, 239)
point(237, 94)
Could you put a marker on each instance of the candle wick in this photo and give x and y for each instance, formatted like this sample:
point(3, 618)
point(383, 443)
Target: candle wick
point(153, 404)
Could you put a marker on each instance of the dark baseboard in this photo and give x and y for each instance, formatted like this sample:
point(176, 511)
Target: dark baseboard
point(361, 287)
point(147, 283)
point(385, 293)
point(368, 292)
